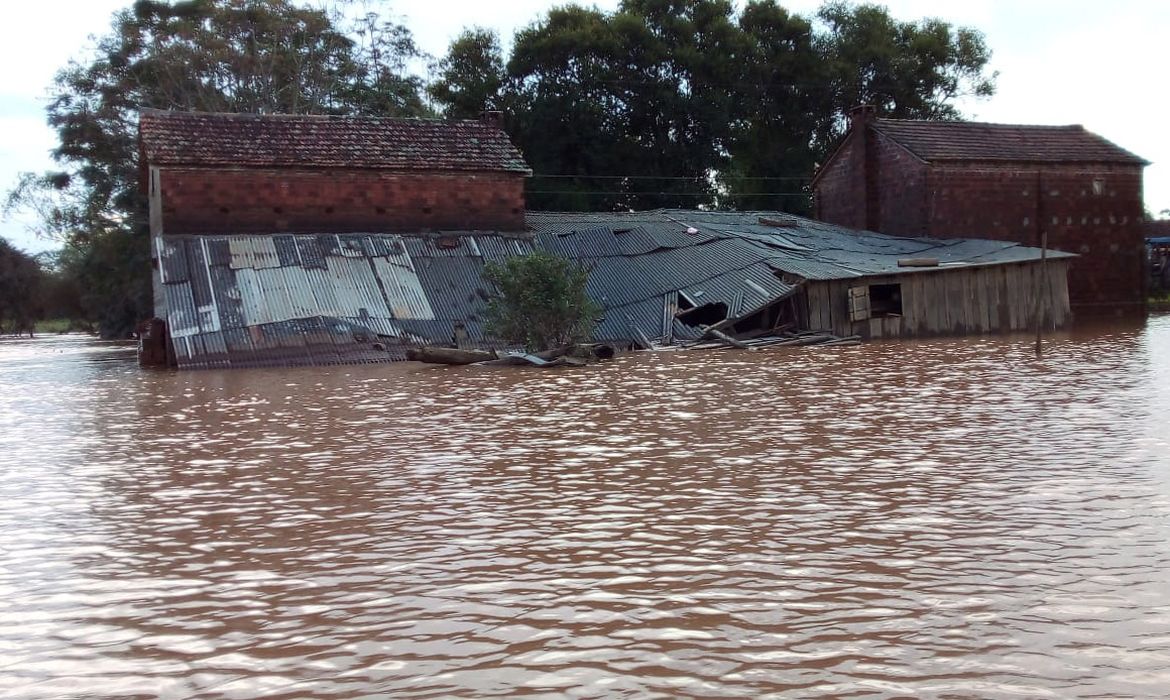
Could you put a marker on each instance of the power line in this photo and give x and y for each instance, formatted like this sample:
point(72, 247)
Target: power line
point(672, 177)
point(687, 194)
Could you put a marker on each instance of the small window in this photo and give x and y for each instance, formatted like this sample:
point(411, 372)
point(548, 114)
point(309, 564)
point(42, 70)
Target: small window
point(885, 300)
point(1099, 186)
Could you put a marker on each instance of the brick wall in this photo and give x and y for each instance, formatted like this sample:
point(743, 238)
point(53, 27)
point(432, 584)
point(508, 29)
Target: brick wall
point(900, 190)
point(840, 190)
point(309, 201)
point(1092, 210)
point(886, 192)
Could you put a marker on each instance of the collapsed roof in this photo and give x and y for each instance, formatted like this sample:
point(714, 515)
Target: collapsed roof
point(325, 299)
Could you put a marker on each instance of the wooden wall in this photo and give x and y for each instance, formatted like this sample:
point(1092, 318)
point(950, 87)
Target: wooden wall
point(948, 301)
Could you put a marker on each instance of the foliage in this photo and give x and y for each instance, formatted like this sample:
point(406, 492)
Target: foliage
point(21, 279)
point(686, 103)
point(471, 76)
point(540, 302)
point(210, 55)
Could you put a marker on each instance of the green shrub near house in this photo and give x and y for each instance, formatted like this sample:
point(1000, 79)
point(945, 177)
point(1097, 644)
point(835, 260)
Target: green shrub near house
point(540, 302)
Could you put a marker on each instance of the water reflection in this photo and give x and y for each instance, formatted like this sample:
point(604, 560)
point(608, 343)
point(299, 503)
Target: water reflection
point(945, 518)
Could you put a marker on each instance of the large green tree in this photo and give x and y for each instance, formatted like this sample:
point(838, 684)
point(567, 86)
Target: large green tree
point(693, 103)
point(260, 56)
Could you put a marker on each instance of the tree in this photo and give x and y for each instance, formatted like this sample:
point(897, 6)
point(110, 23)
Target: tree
point(684, 103)
point(540, 302)
point(21, 279)
point(471, 76)
point(908, 70)
point(259, 56)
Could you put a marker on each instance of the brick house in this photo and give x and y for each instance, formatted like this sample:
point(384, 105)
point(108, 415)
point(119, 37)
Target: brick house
point(247, 173)
point(997, 181)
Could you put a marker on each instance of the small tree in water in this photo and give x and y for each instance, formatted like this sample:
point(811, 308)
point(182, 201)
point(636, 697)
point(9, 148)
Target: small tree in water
point(540, 302)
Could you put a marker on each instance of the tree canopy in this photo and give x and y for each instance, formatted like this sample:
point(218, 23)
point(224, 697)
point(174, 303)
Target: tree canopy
point(679, 103)
point(261, 56)
point(689, 103)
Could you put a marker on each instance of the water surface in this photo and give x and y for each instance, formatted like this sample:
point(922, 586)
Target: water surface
point(950, 518)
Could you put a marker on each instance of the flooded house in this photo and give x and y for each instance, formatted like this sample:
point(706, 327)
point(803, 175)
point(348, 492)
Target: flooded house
point(282, 240)
point(1009, 182)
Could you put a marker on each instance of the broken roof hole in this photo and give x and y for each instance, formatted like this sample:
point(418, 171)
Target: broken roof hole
point(705, 315)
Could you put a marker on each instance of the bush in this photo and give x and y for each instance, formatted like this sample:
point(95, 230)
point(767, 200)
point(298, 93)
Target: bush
point(540, 302)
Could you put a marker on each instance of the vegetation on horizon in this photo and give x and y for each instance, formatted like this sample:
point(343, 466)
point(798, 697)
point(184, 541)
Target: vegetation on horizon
point(661, 103)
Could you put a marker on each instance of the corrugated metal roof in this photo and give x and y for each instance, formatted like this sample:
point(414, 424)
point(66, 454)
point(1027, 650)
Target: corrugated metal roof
point(327, 299)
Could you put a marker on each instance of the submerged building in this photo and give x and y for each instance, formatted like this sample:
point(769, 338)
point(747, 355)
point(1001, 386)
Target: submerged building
point(1006, 182)
point(340, 240)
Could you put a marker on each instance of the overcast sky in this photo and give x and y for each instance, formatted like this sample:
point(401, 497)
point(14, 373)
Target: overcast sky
point(1060, 62)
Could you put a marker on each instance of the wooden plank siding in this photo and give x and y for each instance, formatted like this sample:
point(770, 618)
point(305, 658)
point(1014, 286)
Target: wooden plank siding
point(955, 301)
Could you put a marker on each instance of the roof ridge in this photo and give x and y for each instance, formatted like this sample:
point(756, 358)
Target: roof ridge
point(260, 116)
point(965, 122)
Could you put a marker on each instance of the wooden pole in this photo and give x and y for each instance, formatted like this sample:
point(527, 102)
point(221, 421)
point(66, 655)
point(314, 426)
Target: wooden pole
point(1040, 310)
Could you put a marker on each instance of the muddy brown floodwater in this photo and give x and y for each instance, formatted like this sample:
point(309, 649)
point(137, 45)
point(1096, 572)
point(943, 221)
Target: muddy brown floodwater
point(950, 518)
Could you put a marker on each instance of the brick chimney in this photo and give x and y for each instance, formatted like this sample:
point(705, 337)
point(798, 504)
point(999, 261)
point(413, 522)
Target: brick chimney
point(860, 120)
point(493, 117)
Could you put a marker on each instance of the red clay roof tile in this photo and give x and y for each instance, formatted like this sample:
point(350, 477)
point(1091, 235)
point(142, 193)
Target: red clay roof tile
point(935, 140)
point(283, 140)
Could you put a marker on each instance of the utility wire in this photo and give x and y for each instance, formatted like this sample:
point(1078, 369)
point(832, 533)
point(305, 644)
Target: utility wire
point(691, 194)
point(671, 177)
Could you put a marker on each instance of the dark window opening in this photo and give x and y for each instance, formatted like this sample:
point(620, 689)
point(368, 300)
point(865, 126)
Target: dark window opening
point(885, 300)
point(705, 315)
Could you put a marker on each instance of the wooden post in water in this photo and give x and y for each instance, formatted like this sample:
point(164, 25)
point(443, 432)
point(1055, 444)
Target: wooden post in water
point(1039, 310)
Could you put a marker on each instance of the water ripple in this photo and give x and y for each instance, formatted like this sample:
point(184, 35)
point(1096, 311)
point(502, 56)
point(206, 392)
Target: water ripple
point(950, 518)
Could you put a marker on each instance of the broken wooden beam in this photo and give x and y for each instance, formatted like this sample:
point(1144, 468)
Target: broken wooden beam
point(715, 333)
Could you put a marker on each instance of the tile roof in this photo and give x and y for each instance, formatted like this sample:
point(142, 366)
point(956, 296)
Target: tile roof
point(937, 140)
point(316, 141)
